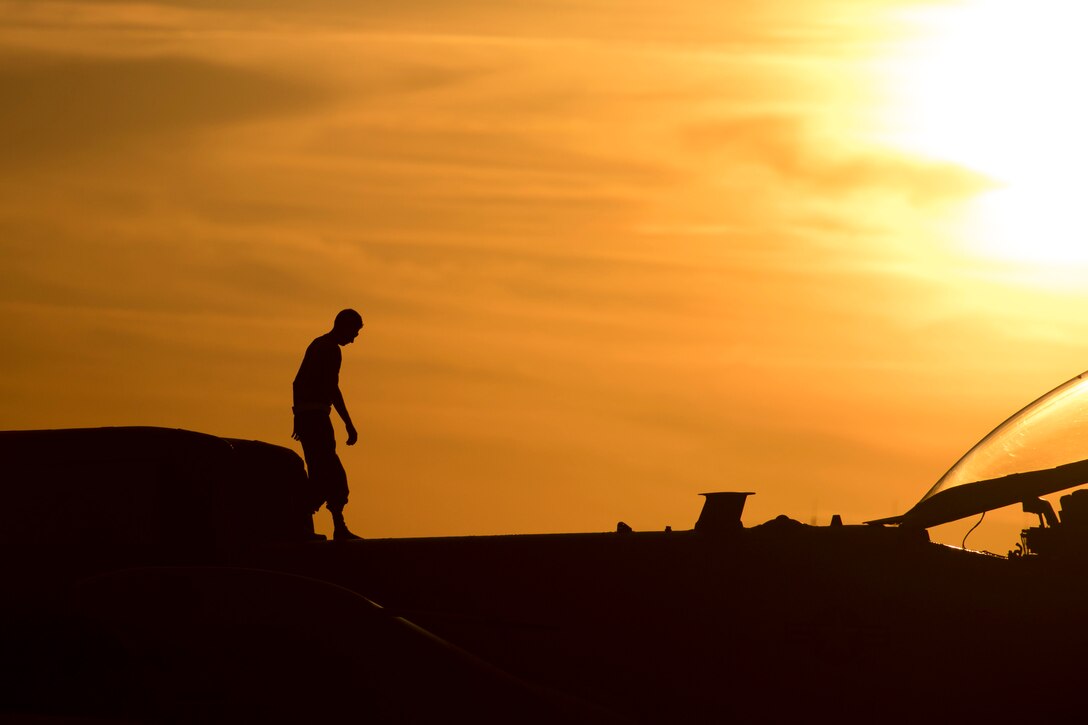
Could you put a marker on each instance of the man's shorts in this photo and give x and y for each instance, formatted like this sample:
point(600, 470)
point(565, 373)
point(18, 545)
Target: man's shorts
point(328, 479)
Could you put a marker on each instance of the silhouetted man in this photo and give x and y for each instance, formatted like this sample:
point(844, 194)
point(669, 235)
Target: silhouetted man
point(317, 392)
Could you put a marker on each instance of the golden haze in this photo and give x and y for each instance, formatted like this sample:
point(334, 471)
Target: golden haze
point(610, 255)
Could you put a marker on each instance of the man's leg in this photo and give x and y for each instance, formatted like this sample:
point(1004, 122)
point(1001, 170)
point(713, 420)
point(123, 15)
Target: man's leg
point(310, 430)
point(337, 498)
point(326, 471)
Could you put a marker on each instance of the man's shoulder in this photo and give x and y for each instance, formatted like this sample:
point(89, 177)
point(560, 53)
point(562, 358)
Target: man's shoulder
point(324, 341)
point(324, 345)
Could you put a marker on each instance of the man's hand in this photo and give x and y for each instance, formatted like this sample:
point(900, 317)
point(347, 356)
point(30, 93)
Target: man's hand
point(353, 435)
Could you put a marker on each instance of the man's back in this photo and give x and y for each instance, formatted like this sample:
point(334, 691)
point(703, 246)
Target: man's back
point(319, 374)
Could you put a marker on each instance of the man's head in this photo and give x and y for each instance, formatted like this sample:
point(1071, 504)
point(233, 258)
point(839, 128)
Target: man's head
point(346, 326)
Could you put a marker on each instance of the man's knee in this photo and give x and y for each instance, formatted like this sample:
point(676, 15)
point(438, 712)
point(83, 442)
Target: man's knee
point(336, 492)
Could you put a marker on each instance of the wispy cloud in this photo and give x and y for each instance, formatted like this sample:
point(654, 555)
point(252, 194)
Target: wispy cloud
point(788, 146)
point(77, 106)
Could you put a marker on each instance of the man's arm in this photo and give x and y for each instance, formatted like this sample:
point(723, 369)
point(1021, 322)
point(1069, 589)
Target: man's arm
point(342, 409)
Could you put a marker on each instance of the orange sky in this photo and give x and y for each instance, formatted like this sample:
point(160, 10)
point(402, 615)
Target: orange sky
point(610, 254)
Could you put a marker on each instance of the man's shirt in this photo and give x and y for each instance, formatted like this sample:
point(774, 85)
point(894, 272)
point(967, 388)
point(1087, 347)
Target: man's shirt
point(319, 375)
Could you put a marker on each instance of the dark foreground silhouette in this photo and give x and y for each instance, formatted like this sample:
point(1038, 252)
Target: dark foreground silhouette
point(156, 575)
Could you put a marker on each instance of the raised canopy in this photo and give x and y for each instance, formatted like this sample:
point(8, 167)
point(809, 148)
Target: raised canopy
point(1041, 449)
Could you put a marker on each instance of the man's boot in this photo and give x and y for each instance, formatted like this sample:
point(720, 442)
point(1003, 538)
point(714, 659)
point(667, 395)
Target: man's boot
point(339, 528)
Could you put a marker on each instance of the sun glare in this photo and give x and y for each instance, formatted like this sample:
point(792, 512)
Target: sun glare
point(995, 85)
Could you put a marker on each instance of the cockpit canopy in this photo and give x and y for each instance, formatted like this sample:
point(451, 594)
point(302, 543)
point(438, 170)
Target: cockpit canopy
point(1041, 449)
